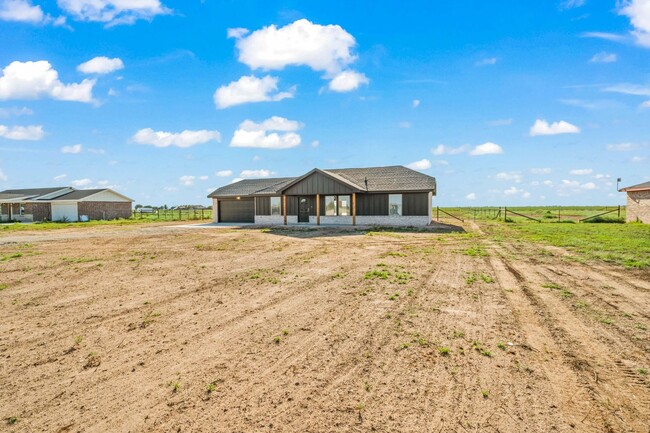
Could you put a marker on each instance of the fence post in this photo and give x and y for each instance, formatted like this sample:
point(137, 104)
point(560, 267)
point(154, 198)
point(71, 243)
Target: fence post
point(558, 214)
point(505, 214)
point(438, 213)
point(619, 210)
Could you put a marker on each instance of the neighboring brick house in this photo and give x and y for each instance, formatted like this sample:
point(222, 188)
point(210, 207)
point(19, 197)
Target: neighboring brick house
point(392, 195)
point(62, 204)
point(638, 203)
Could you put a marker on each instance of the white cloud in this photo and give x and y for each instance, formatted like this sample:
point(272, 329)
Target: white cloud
point(638, 11)
point(604, 35)
point(76, 148)
point(512, 191)
point(61, 176)
point(250, 89)
point(186, 138)
point(542, 127)
point(486, 61)
point(440, 162)
point(441, 149)
point(500, 122)
point(187, 180)
point(256, 135)
point(415, 103)
point(237, 32)
point(570, 4)
point(404, 124)
point(80, 183)
point(509, 176)
point(544, 170)
point(3, 177)
point(322, 48)
point(224, 173)
point(248, 174)
point(629, 89)
point(31, 133)
point(603, 57)
point(471, 196)
point(237, 179)
point(21, 11)
point(102, 182)
point(588, 185)
point(422, 164)
point(113, 12)
point(315, 143)
point(645, 104)
point(581, 171)
point(32, 80)
point(486, 149)
point(623, 147)
point(347, 81)
point(637, 158)
point(15, 111)
point(101, 65)
point(548, 182)
point(203, 177)
point(170, 188)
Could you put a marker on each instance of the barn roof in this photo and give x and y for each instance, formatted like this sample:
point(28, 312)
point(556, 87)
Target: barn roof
point(639, 187)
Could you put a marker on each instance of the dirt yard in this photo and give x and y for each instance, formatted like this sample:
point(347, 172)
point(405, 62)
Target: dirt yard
point(142, 329)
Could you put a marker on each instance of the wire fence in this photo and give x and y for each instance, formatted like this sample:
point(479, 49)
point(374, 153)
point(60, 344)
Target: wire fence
point(173, 214)
point(573, 214)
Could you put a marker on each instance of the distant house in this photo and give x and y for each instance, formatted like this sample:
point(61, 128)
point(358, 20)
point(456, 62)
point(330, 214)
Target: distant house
point(392, 195)
point(62, 204)
point(638, 203)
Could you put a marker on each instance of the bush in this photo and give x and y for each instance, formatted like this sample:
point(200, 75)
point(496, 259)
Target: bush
point(601, 220)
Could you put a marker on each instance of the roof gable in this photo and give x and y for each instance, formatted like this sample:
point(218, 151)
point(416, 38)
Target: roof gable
point(320, 182)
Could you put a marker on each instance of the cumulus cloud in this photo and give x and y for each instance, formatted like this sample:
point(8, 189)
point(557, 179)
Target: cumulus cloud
point(187, 180)
point(603, 57)
point(638, 11)
point(415, 103)
point(249, 174)
point(542, 127)
point(250, 89)
point(623, 147)
point(75, 148)
point(486, 149)
point(509, 176)
point(441, 149)
point(588, 185)
point(637, 158)
point(581, 171)
point(15, 111)
point(32, 80)
point(80, 183)
point(324, 48)
point(113, 12)
point(543, 170)
point(257, 135)
point(101, 65)
point(471, 196)
point(224, 173)
point(21, 11)
point(315, 143)
point(183, 139)
point(347, 81)
point(31, 133)
point(422, 164)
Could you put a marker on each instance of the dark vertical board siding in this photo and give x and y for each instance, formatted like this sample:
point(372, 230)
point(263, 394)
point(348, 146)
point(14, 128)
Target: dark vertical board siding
point(415, 204)
point(262, 205)
point(318, 183)
point(372, 204)
point(292, 205)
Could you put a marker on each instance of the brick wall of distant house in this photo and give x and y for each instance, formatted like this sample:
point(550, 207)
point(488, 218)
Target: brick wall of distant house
point(98, 210)
point(39, 211)
point(638, 206)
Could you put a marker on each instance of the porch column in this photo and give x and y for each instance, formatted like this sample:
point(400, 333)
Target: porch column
point(318, 209)
point(284, 208)
point(11, 208)
point(354, 208)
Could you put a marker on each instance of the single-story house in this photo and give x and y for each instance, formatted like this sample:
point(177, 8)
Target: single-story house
point(638, 203)
point(62, 204)
point(392, 195)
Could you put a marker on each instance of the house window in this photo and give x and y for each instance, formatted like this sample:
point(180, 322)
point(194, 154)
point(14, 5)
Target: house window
point(330, 205)
point(395, 204)
point(276, 207)
point(344, 205)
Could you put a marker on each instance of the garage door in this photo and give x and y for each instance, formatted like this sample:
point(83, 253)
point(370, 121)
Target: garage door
point(237, 211)
point(64, 212)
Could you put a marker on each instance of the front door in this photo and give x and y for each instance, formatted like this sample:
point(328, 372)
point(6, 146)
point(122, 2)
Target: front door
point(303, 210)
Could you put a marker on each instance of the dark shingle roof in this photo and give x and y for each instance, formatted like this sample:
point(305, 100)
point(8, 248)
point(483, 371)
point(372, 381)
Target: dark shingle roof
point(392, 178)
point(30, 192)
point(251, 186)
point(79, 194)
point(644, 185)
point(380, 179)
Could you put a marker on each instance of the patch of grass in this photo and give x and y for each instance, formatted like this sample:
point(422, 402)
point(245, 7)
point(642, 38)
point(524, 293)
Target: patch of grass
point(552, 285)
point(394, 254)
point(485, 393)
point(606, 320)
point(471, 279)
point(381, 274)
point(211, 388)
point(285, 332)
point(393, 297)
point(12, 420)
point(459, 334)
point(566, 293)
point(11, 256)
point(3, 286)
point(367, 386)
point(642, 371)
point(486, 352)
point(475, 251)
point(148, 319)
point(78, 340)
point(501, 345)
point(487, 279)
point(444, 351)
point(176, 386)
point(277, 340)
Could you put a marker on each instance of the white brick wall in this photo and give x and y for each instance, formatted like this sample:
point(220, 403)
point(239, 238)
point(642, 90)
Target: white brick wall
point(638, 206)
point(270, 220)
point(381, 220)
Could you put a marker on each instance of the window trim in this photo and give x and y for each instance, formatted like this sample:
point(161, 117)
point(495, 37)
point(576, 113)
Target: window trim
point(337, 200)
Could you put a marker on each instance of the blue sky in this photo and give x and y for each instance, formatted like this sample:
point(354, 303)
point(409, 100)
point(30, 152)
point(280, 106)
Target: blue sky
point(505, 103)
